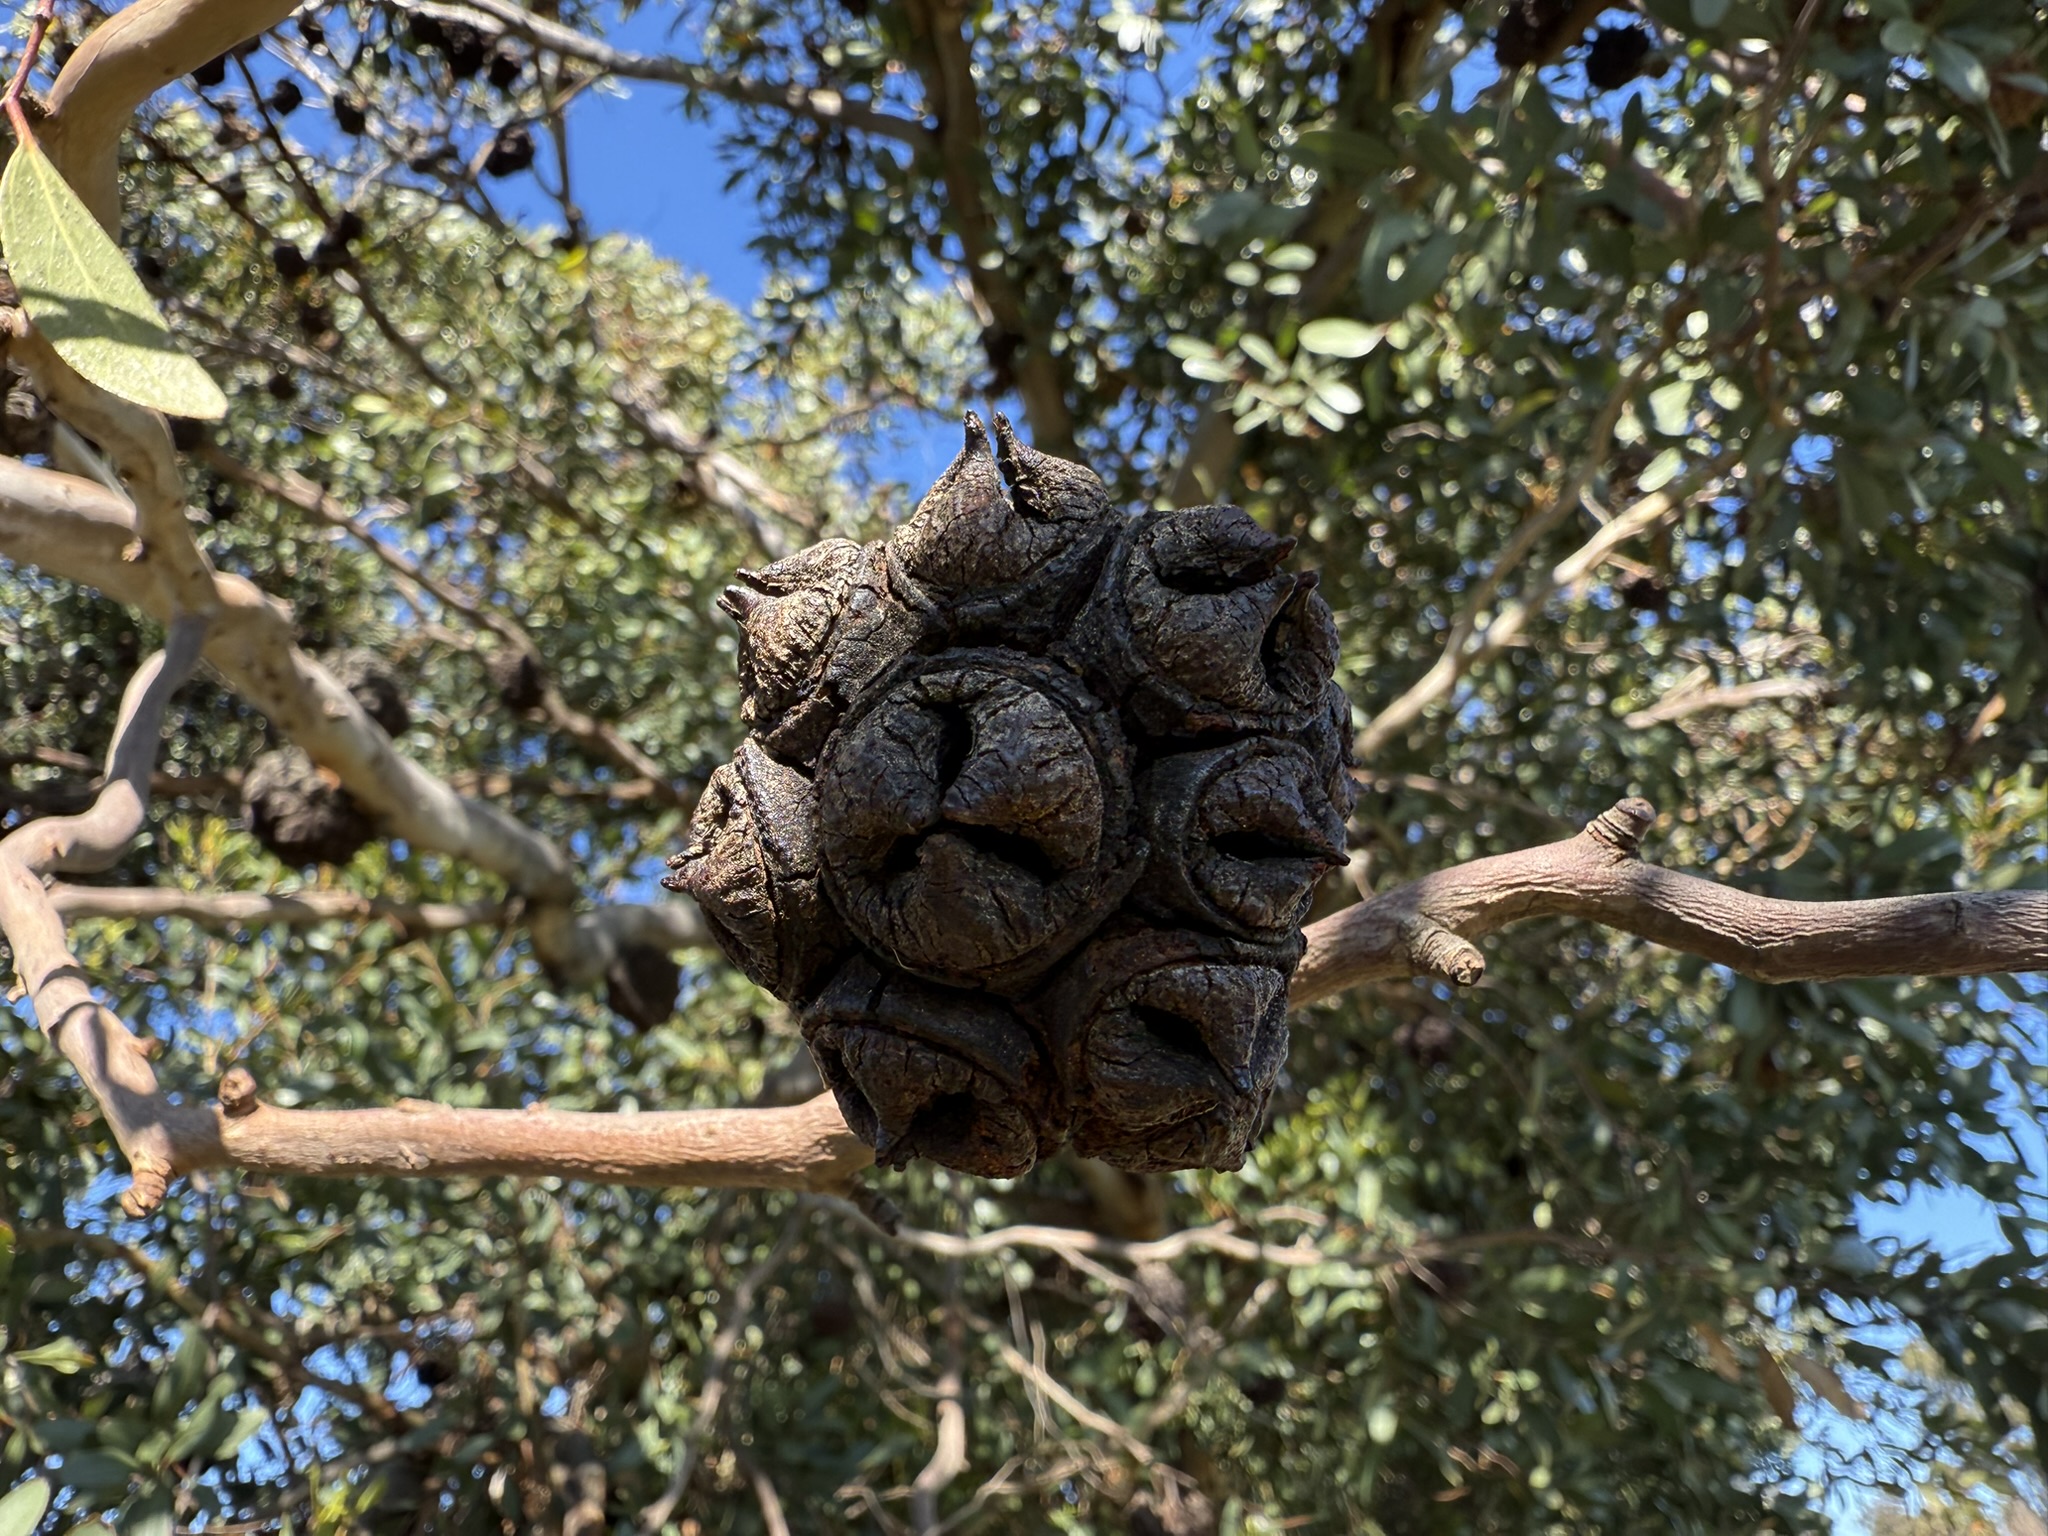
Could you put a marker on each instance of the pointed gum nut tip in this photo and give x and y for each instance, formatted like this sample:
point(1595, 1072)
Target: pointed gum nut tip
point(738, 601)
point(1008, 448)
point(886, 1141)
point(1013, 455)
point(976, 433)
point(1286, 546)
point(1306, 582)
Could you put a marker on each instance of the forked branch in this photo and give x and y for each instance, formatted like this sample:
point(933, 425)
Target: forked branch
point(1428, 926)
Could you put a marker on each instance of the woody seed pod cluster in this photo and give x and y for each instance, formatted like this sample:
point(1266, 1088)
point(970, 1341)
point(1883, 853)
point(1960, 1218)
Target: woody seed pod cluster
point(1034, 802)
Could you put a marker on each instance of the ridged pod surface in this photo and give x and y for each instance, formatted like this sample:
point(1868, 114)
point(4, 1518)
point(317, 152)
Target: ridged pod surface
point(1035, 800)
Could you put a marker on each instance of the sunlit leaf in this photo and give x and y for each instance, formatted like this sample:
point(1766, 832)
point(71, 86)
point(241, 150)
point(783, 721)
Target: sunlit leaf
point(1959, 69)
point(85, 298)
point(1338, 337)
point(64, 1356)
point(22, 1508)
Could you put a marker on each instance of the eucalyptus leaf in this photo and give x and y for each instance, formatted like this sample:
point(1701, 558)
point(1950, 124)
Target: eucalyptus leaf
point(86, 300)
point(1959, 69)
point(21, 1509)
point(1334, 336)
point(65, 1356)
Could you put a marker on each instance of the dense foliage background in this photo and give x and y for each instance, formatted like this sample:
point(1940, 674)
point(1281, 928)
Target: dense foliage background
point(1444, 291)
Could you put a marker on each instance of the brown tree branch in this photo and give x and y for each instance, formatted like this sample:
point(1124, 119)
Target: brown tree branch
point(593, 936)
point(1680, 706)
point(128, 58)
point(80, 531)
point(806, 1147)
point(595, 736)
point(718, 478)
point(1599, 876)
point(1470, 643)
point(1425, 927)
point(944, 60)
point(820, 104)
point(233, 910)
point(108, 1058)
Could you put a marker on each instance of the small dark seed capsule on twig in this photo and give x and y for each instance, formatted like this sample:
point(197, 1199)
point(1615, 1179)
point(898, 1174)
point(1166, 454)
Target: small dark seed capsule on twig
point(300, 812)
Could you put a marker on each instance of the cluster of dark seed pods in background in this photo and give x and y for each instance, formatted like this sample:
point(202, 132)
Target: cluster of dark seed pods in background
point(1036, 798)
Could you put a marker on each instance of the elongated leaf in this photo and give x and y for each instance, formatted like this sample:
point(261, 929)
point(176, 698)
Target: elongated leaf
point(81, 293)
point(1777, 1390)
point(65, 1356)
point(1824, 1381)
point(1959, 69)
point(1337, 337)
point(23, 1507)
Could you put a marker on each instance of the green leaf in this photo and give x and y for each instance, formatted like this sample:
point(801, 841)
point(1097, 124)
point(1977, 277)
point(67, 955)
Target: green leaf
point(84, 297)
point(65, 1356)
point(1671, 408)
point(150, 1515)
point(1661, 471)
point(1340, 396)
point(1959, 69)
point(23, 1507)
point(1337, 337)
point(1903, 36)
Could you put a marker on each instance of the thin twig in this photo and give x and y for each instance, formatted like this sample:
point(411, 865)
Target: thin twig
point(716, 1359)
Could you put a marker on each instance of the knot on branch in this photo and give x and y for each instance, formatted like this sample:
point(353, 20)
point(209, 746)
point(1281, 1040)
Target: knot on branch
point(1036, 799)
point(237, 1093)
point(149, 1183)
point(1623, 826)
point(1436, 951)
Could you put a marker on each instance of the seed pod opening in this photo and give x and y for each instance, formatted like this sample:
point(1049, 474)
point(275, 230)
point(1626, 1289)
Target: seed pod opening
point(992, 564)
point(975, 817)
point(752, 866)
point(1194, 627)
point(1167, 1044)
point(815, 629)
point(1240, 836)
point(300, 812)
point(925, 1071)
